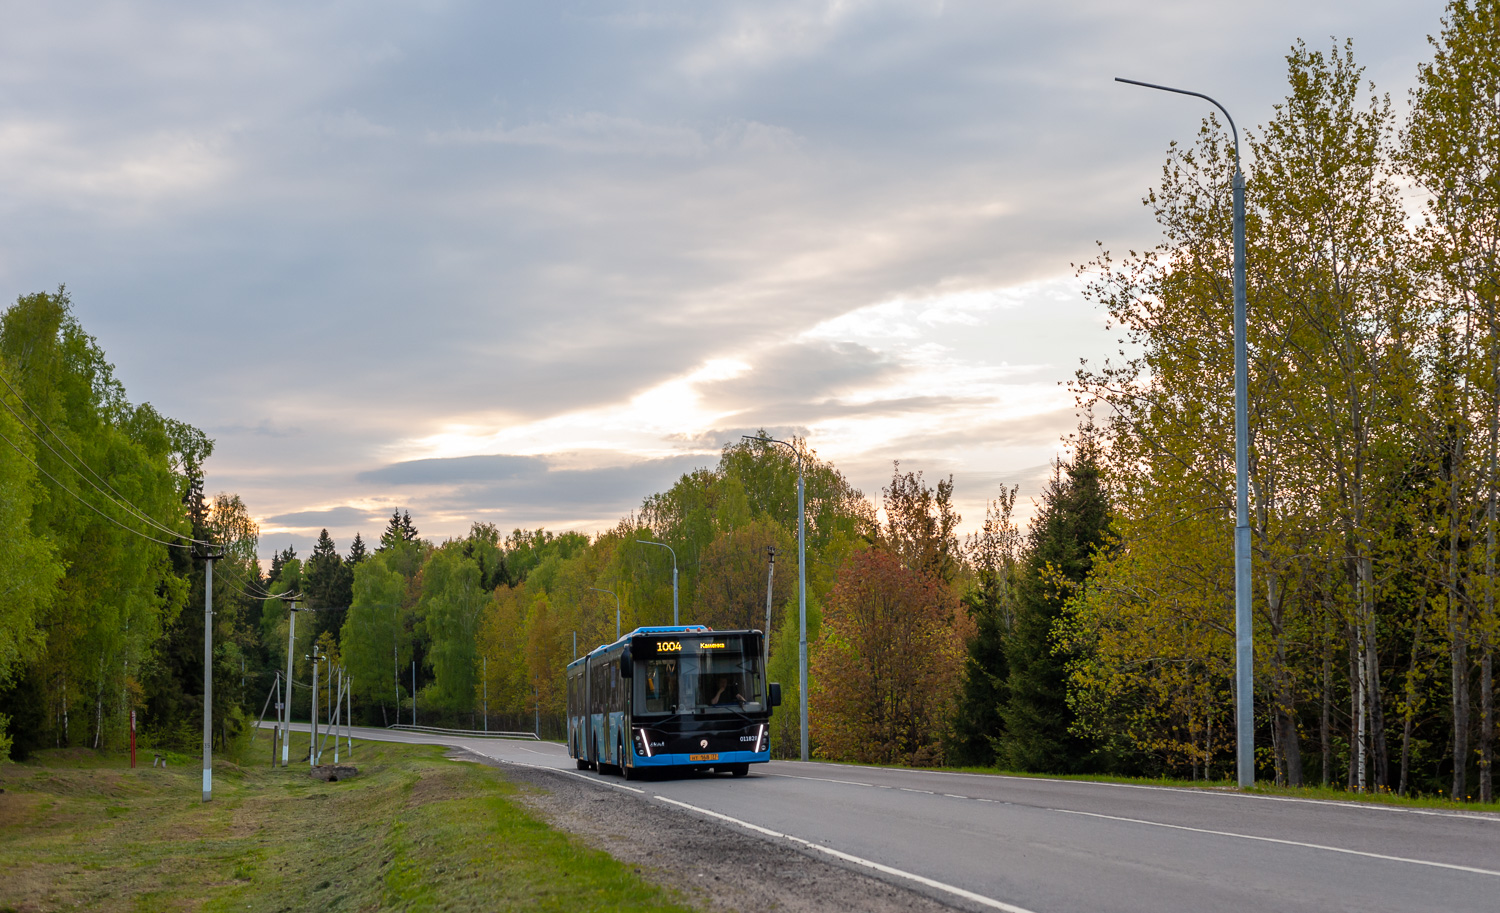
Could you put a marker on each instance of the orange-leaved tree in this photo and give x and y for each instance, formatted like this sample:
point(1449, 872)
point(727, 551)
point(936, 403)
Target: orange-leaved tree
point(888, 663)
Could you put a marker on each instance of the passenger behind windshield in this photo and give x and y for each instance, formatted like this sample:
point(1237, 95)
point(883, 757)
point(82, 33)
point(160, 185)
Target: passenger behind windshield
point(661, 686)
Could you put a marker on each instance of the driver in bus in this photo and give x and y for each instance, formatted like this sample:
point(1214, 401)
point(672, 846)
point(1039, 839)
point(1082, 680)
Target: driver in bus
point(725, 693)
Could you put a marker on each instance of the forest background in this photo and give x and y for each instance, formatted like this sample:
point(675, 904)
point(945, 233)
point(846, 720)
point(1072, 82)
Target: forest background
point(1099, 640)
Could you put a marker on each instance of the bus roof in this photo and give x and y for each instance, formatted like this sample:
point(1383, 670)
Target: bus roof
point(649, 629)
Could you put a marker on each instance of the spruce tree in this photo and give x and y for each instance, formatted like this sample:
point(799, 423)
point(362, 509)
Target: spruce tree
point(977, 723)
point(322, 581)
point(1071, 525)
point(357, 551)
point(392, 535)
point(279, 560)
point(994, 552)
point(408, 529)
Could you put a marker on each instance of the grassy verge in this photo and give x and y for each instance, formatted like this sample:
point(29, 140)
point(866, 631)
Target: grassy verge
point(414, 831)
point(1330, 794)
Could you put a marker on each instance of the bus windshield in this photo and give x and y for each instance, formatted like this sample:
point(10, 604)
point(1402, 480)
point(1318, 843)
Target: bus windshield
point(708, 674)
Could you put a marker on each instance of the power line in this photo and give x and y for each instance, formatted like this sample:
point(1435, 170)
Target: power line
point(80, 499)
point(118, 499)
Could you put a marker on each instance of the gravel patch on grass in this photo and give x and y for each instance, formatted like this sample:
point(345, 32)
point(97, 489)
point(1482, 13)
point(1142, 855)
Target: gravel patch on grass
point(715, 866)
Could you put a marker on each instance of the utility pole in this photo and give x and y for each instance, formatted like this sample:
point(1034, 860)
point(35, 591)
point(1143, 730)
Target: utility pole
point(209, 557)
point(286, 729)
point(312, 746)
point(337, 715)
point(486, 694)
point(414, 692)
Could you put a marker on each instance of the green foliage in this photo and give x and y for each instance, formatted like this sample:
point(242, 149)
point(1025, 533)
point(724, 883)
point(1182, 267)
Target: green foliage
point(373, 640)
point(1070, 528)
point(29, 569)
point(452, 599)
point(121, 591)
point(888, 663)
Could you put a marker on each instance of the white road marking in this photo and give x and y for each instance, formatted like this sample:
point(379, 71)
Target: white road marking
point(847, 857)
point(1230, 793)
point(574, 773)
point(1298, 843)
point(1183, 827)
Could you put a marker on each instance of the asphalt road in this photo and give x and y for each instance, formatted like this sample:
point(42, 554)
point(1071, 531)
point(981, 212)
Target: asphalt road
point(1052, 846)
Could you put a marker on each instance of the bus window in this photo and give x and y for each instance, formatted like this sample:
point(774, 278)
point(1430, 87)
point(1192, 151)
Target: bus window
point(727, 680)
point(656, 689)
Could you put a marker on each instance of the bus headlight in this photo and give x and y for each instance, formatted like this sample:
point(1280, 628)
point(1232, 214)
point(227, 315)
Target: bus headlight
point(760, 738)
point(643, 742)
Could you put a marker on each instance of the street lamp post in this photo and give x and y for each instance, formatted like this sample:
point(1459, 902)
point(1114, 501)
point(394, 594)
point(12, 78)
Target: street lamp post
point(1243, 634)
point(617, 602)
point(674, 576)
point(801, 583)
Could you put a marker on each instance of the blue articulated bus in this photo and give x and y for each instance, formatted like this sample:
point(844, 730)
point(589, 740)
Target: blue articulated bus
point(672, 697)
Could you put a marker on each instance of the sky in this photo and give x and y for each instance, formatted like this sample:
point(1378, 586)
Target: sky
point(527, 264)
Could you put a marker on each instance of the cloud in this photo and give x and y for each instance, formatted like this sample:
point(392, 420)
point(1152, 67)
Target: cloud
point(487, 468)
point(332, 517)
point(379, 237)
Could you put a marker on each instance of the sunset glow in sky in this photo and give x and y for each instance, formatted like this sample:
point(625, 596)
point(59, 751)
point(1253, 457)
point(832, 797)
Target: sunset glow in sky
point(528, 263)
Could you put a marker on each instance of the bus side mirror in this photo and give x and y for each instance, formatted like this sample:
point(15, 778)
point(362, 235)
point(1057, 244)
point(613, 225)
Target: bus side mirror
point(776, 694)
point(627, 664)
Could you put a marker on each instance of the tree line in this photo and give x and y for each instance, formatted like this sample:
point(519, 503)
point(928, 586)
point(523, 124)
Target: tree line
point(1374, 405)
point(1099, 639)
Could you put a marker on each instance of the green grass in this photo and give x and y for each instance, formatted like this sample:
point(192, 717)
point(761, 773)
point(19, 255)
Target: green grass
point(414, 831)
point(1330, 794)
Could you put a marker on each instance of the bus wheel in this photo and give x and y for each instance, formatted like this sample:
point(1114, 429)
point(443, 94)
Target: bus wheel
point(583, 764)
point(739, 770)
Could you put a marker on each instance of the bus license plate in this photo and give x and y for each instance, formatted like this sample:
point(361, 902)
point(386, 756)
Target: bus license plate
point(703, 757)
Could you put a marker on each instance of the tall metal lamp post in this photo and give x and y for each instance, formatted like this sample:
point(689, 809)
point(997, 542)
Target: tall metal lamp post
point(801, 583)
point(1243, 645)
point(674, 575)
point(617, 600)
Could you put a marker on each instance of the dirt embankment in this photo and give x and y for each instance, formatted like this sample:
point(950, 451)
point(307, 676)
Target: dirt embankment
point(716, 866)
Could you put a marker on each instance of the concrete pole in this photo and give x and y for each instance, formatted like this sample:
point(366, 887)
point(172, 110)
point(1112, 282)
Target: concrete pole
point(414, 692)
point(312, 746)
point(208, 675)
point(286, 729)
point(486, 694)
point(339, 706)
